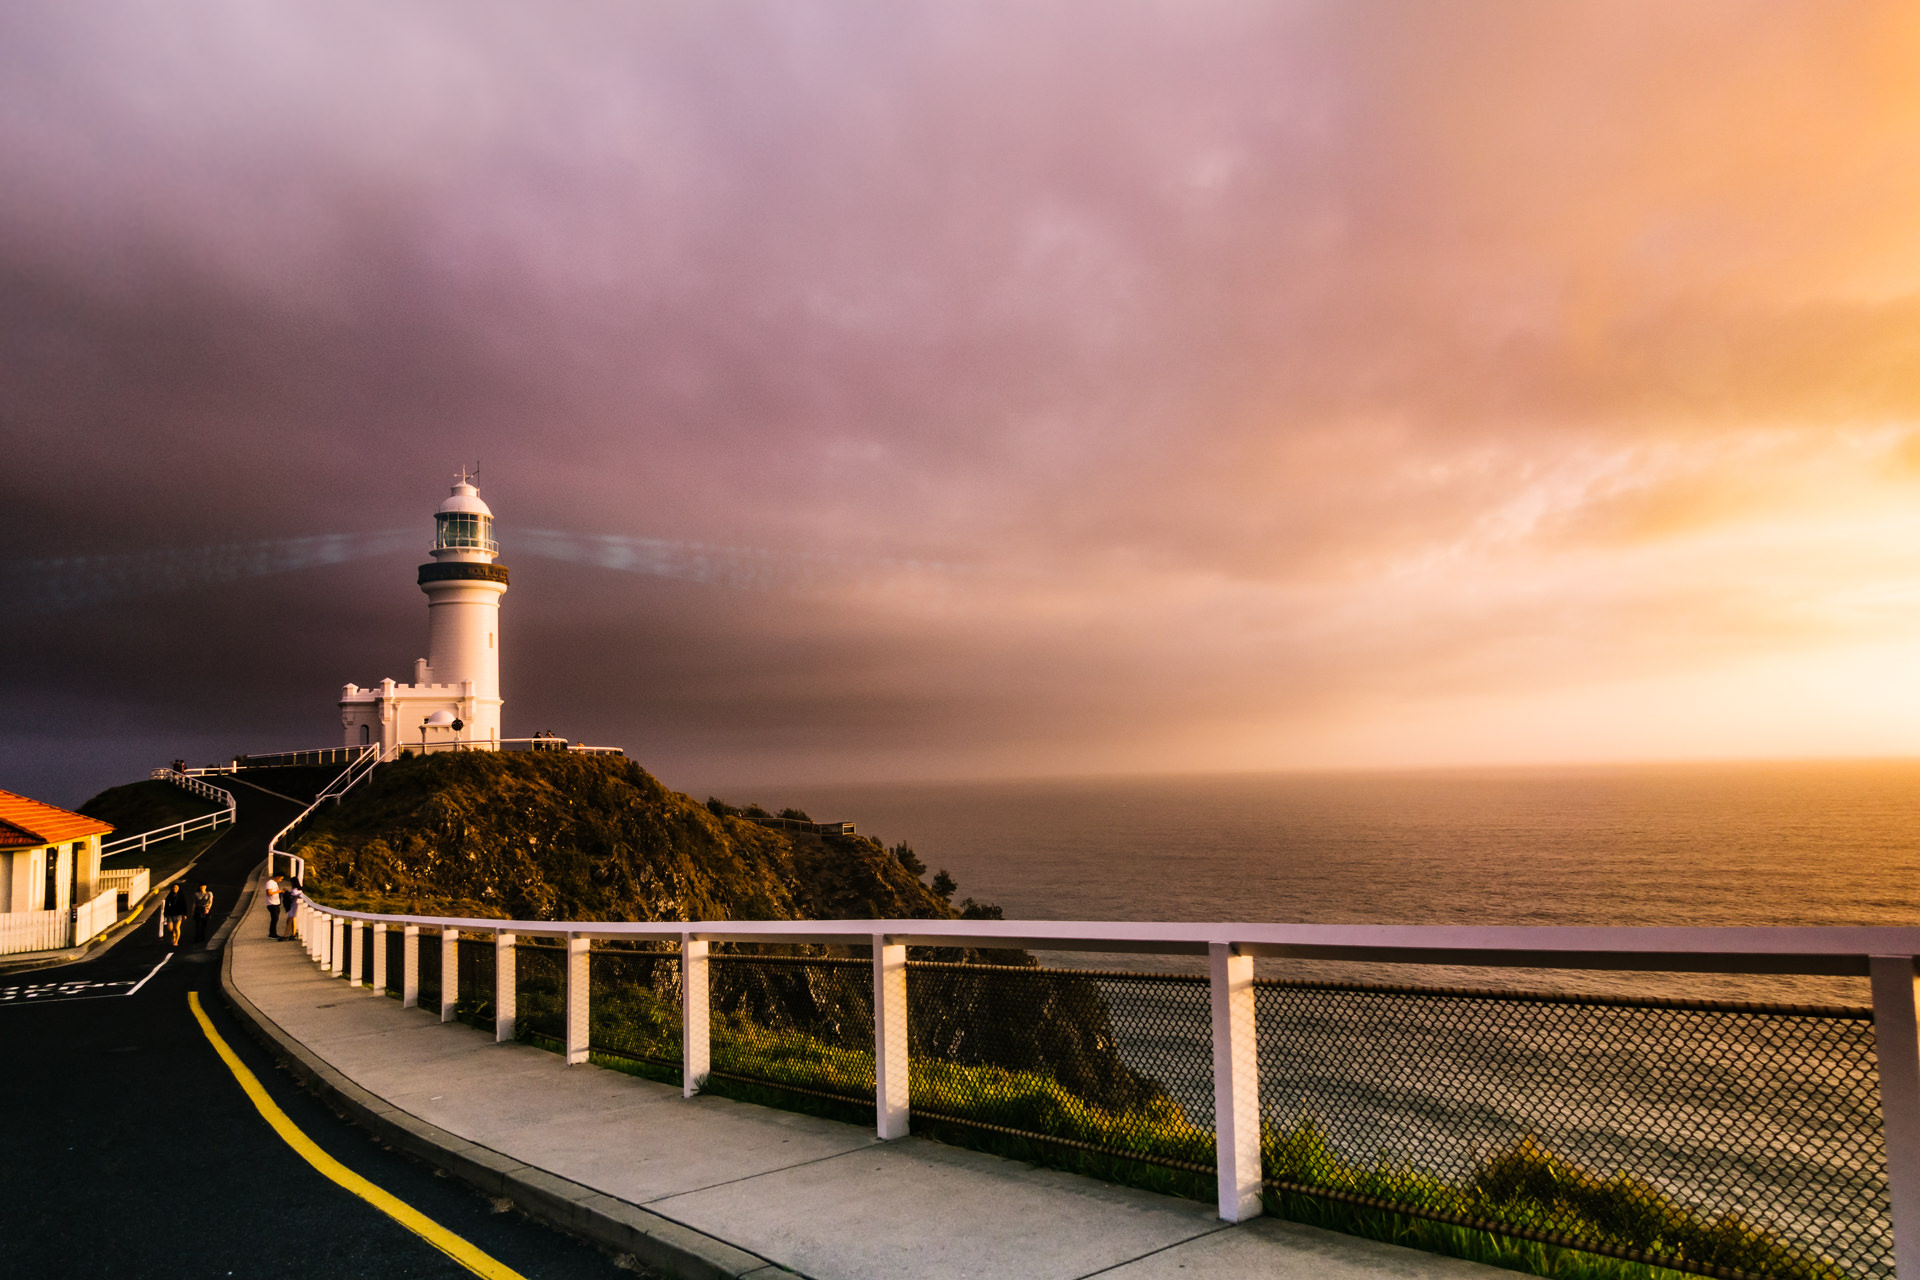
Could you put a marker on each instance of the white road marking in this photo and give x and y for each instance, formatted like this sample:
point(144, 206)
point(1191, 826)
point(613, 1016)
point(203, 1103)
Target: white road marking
point(54, 992)
point(157, 968)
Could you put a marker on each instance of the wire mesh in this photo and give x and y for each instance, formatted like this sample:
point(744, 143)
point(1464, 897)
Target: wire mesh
point(802, 1023)
point(635, 1006)
point(473, 1003)
point(430, 971)
point(396, 958)
point(1111, 1062)
point(1719, 1138)
point(539, 1001)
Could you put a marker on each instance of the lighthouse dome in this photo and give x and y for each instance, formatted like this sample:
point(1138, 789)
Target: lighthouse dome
point(465, 500)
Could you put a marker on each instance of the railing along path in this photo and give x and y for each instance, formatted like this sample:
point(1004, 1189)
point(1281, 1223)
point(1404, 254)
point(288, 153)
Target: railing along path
point(1828, 1058)
point(178, 830)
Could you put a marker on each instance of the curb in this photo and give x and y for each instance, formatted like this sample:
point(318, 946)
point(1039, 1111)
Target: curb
point(658, 1243)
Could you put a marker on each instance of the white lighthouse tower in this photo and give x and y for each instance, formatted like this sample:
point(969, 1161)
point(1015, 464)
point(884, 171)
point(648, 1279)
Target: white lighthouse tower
point(455, 694)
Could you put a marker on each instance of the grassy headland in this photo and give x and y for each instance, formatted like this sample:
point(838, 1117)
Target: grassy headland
point(555, 836)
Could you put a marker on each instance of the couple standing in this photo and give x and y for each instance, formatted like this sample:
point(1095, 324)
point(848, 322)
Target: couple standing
point(278, 897)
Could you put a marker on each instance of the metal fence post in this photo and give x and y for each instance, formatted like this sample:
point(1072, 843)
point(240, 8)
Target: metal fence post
point(505, 986)
point(336, 946)
point(579, 980)
point(410, 966)
point(1896, 1033)
point(356, 954)
point(380, 956)
point(1236, 1084)
point(449, 972)
point(891, 1115)
point(696, 1026)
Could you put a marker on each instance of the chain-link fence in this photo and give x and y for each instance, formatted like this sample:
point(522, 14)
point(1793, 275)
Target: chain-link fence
point(473, 998)
point(634, 1009)
point(539, 1000)
point(1115, 1063)
point(1720, 1138)
point(799, 1023)
point(430, 971)
point(396, 959)
point(1727, 1139)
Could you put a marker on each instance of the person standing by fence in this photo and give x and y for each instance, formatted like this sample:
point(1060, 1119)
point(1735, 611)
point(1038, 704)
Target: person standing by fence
point(290, 897)
point(273, 907)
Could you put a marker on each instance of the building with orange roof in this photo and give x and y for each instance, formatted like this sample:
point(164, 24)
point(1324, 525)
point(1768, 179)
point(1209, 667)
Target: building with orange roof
point(49, 856)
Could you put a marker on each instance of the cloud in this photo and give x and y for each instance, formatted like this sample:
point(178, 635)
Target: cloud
point(1069, 386)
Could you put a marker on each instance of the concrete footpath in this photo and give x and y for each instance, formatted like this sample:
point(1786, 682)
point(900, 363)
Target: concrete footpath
point(708, 1187)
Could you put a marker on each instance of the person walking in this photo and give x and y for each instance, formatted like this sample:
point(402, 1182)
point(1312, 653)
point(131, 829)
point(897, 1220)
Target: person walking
point(202, 912)
point(290, 895)
point(273, 907)
point(175, 910)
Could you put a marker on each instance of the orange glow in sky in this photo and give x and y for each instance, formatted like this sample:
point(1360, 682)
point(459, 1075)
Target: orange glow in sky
point(1219, 385)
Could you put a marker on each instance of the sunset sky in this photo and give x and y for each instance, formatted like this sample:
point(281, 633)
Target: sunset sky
point(920, 390)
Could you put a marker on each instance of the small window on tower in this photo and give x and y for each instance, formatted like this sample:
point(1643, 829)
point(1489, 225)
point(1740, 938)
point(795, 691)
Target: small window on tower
point(489, 639)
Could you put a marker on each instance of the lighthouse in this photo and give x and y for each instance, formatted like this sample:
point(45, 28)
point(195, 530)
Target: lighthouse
point(455, 694)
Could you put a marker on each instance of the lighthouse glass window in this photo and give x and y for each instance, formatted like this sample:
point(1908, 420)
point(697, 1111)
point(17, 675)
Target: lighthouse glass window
point(461, 530)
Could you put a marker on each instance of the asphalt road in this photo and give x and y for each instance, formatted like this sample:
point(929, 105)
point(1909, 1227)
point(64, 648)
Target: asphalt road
point(127, 1148)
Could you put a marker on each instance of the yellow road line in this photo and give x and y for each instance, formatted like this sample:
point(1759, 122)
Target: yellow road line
point(455, 1247)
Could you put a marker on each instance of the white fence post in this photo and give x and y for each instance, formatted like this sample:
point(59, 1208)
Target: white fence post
point(1896, 1031)
point(380, 956)
point(336, 946)
point(505, 986)
point(1236, 1084)
point(410, 966)
point(356, 961)
point(449, 972)
point(696, 1024)
point(891, 1115)
point(579, 980)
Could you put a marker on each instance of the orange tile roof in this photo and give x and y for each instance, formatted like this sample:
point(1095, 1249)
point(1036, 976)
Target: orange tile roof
point(45, 823)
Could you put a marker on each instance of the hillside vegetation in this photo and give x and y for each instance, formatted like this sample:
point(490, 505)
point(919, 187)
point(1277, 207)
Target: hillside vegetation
point(557, 836)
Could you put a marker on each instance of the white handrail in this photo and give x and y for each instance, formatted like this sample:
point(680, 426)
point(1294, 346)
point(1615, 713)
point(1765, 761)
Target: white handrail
point(1822, 951)
point(179, 830)
point(1885, 954)
point(354, 773)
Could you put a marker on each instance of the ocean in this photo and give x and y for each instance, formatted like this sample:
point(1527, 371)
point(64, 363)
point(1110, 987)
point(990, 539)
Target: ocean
point(1817, 843)
point(1771, 1116)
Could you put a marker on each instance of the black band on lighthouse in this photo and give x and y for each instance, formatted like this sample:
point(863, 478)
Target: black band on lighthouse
point(457, 571)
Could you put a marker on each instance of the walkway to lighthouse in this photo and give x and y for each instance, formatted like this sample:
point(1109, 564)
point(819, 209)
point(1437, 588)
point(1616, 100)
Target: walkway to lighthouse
point(711, 1187)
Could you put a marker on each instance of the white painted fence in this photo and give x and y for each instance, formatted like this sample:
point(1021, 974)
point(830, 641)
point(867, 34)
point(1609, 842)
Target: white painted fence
point(34, 931)
point(358, 771)
point(23, 931)
point(89, 918)
point(132, 881)
point(1886, 956)
point(179, 830)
